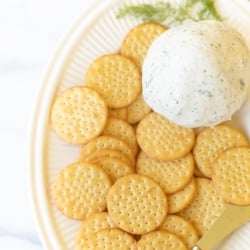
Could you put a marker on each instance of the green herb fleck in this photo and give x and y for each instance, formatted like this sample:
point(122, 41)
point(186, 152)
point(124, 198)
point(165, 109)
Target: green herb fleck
point(164, 12)
point(206, 93)
point(242, 84)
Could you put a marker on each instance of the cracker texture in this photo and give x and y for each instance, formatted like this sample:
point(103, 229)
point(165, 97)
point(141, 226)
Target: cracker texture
point(182, 228)
point(206, 206)
point(138, 40)
point(160, 240)
point(181, 199)
point(211, 142)
point(172, 176)
point(162, 139)
point(78, 115)
point(76, 193)
point(116, 78)
point(109, 239)
point(231, 175)
point(137, 204)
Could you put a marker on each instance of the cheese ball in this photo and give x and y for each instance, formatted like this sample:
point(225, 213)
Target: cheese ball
point(197, 74)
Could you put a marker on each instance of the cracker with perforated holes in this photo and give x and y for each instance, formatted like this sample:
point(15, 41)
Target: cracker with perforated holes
point(107, 153)
point(172, 176)
point(107, 142)
point(211, 142)
point(137, 110)
point(206, 206)
point(181, 199)
point(80, 189)
point(123, 131)
point(116, 78)
point(115, 168)
point(93, 224)
point(162, 139)
point(137, 204)
point(79, 114)
point(182, 228)
point(138, 40)
point(231, 175)
point(108, 239)
point(121, 113)
point(160, 240)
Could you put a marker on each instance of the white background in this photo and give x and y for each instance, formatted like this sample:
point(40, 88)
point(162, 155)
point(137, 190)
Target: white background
point(29, 33)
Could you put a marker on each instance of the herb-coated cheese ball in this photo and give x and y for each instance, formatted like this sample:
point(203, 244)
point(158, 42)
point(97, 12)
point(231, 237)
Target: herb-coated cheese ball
point(197, 74)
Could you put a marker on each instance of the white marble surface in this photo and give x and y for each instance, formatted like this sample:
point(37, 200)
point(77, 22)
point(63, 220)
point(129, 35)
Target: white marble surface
point(29, 33)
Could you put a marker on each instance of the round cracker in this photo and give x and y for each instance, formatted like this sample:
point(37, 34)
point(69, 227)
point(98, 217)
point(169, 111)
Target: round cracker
point(231, 175)
point(160, 240)
point(138, 40)
point(162, 139)
point(115, 168)
point(121, 113)
point(107, 142)
point(108, 239)
point(93, 224)
point(116, 78)
point(79, 114)
point(123, 131)
point(76, 193)
point(182, 228)
point(211, 142)
point(107, 153)
point(137, 110)
point(206, 206)
point(172, 176)
point(137, 204)
point(181, 199)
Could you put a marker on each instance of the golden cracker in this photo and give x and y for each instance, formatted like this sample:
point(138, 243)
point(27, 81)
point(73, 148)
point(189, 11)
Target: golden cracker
point(137, 204)
point(107, 153)
point(93, 224)
point(231, 175)
point(138, 40)
point(75, 191)
point(116, 78)
point(115, 168)
point(182, 228)
point(107, 142)
point(211, 142)
point(181, 199)
point(108, 239)
point(206, 206)
point(137, 110)
point(123, 131)
point(121, 113)
point(162, 139)
point(160, 240)
point(172, 176)
point(78, 115)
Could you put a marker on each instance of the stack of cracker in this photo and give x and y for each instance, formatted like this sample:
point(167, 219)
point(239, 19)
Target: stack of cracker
point(141, 182)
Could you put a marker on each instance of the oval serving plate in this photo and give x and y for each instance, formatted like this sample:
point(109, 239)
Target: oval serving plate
point(97, 32)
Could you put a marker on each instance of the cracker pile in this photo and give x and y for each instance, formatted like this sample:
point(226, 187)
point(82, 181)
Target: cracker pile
point(141, 182)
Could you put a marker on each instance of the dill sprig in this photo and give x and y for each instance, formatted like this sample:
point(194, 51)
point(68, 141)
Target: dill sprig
point(147, 12)
point(164, 12)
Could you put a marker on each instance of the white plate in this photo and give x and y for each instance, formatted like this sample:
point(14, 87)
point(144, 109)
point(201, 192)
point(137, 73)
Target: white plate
point(97, 32)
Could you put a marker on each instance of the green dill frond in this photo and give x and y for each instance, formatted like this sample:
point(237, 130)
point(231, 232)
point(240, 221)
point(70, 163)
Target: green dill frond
point(162, 12)
point(147, 12)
